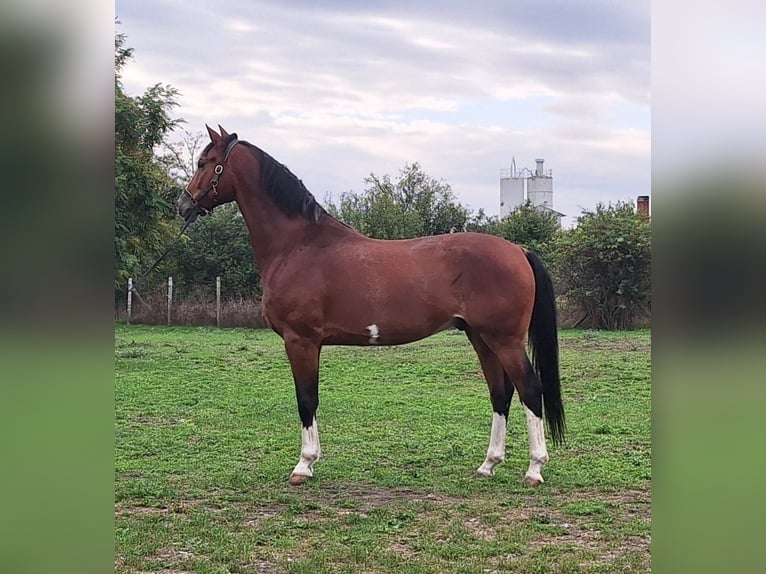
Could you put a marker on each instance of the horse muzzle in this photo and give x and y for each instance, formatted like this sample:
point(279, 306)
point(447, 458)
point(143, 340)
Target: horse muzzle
point(187, 208)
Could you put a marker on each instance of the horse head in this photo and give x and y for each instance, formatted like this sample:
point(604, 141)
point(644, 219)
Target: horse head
point(209, 186)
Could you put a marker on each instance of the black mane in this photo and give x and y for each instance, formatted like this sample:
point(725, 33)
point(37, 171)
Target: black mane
point(287, 191)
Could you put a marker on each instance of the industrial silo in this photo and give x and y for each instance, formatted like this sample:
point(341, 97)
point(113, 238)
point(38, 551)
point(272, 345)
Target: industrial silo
point(511, 190)
point(540, 187)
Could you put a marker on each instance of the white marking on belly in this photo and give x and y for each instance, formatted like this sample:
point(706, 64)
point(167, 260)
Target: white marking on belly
point(374, 333)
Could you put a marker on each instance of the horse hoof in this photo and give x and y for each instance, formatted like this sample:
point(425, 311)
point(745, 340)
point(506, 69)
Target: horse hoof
point(297, 479)
point(483, 473)
point(532, 480)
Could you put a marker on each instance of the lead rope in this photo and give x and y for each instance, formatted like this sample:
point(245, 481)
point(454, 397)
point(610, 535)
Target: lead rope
point(153, 266)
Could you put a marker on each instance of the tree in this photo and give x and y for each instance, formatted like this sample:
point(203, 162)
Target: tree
point(602, 266)
point(179, 158)
point(525, 225)
point(218, 244)
point(144, 194)
point(376, 213)
point(412, 206)
point(481, 222)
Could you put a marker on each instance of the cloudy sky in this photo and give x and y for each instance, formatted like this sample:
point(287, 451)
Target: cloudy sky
point(349, 88)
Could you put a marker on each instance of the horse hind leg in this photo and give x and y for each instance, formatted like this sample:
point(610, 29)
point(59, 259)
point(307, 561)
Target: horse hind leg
point(500, 393)
point(538, 452)
point(512, 355)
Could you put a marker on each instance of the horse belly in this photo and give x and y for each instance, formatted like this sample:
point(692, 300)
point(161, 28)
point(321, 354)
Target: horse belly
point(385, 333)
point(390, 316)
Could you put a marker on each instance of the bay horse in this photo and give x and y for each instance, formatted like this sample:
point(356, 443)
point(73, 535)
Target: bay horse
point(324, 283)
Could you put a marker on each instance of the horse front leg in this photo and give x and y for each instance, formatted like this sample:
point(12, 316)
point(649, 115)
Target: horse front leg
point(303, 355)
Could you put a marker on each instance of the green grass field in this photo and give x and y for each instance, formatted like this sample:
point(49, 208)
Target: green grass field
point(207, 432)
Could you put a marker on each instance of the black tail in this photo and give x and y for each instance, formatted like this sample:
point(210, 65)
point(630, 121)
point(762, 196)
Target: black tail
point(544, 346)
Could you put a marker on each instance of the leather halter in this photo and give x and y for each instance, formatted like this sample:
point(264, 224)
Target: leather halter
point(212, 189)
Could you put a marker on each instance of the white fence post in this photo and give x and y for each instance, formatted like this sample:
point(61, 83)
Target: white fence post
point(218, 301)
point(130, 298)
point(170, 296)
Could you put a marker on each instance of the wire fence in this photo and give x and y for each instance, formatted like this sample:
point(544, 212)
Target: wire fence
point(208, 306)
point(198, 307)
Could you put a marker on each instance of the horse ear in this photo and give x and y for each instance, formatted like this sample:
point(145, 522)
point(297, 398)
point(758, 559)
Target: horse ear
point(214, 137)
point(224, 133)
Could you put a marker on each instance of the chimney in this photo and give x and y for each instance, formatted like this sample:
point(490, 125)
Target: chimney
point(539, 170)
point(642, 206)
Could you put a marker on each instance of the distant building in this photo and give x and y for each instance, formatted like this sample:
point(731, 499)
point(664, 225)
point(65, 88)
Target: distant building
point(517, 187)
point(642, 206)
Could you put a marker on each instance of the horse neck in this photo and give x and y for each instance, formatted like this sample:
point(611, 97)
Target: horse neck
point(272, 233)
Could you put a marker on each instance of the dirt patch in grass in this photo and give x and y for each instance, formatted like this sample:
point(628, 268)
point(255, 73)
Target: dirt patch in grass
point(261, 514)
point(592, 527)
point(480, 530)
point(127, 510)
point(367, 497)
point(263, 566)
point(593, 342)
point(171, 555)
point(176, 507)
point(164, 561)
point(588, 520)
point(589, 529)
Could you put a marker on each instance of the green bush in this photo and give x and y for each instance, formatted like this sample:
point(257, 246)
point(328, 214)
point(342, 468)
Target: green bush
point(602, 267)
point(217, 245)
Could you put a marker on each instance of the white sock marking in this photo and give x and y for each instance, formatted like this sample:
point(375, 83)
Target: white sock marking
point(310, 451)
point(496, 450)
point(374, 333)
point(538, 452)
